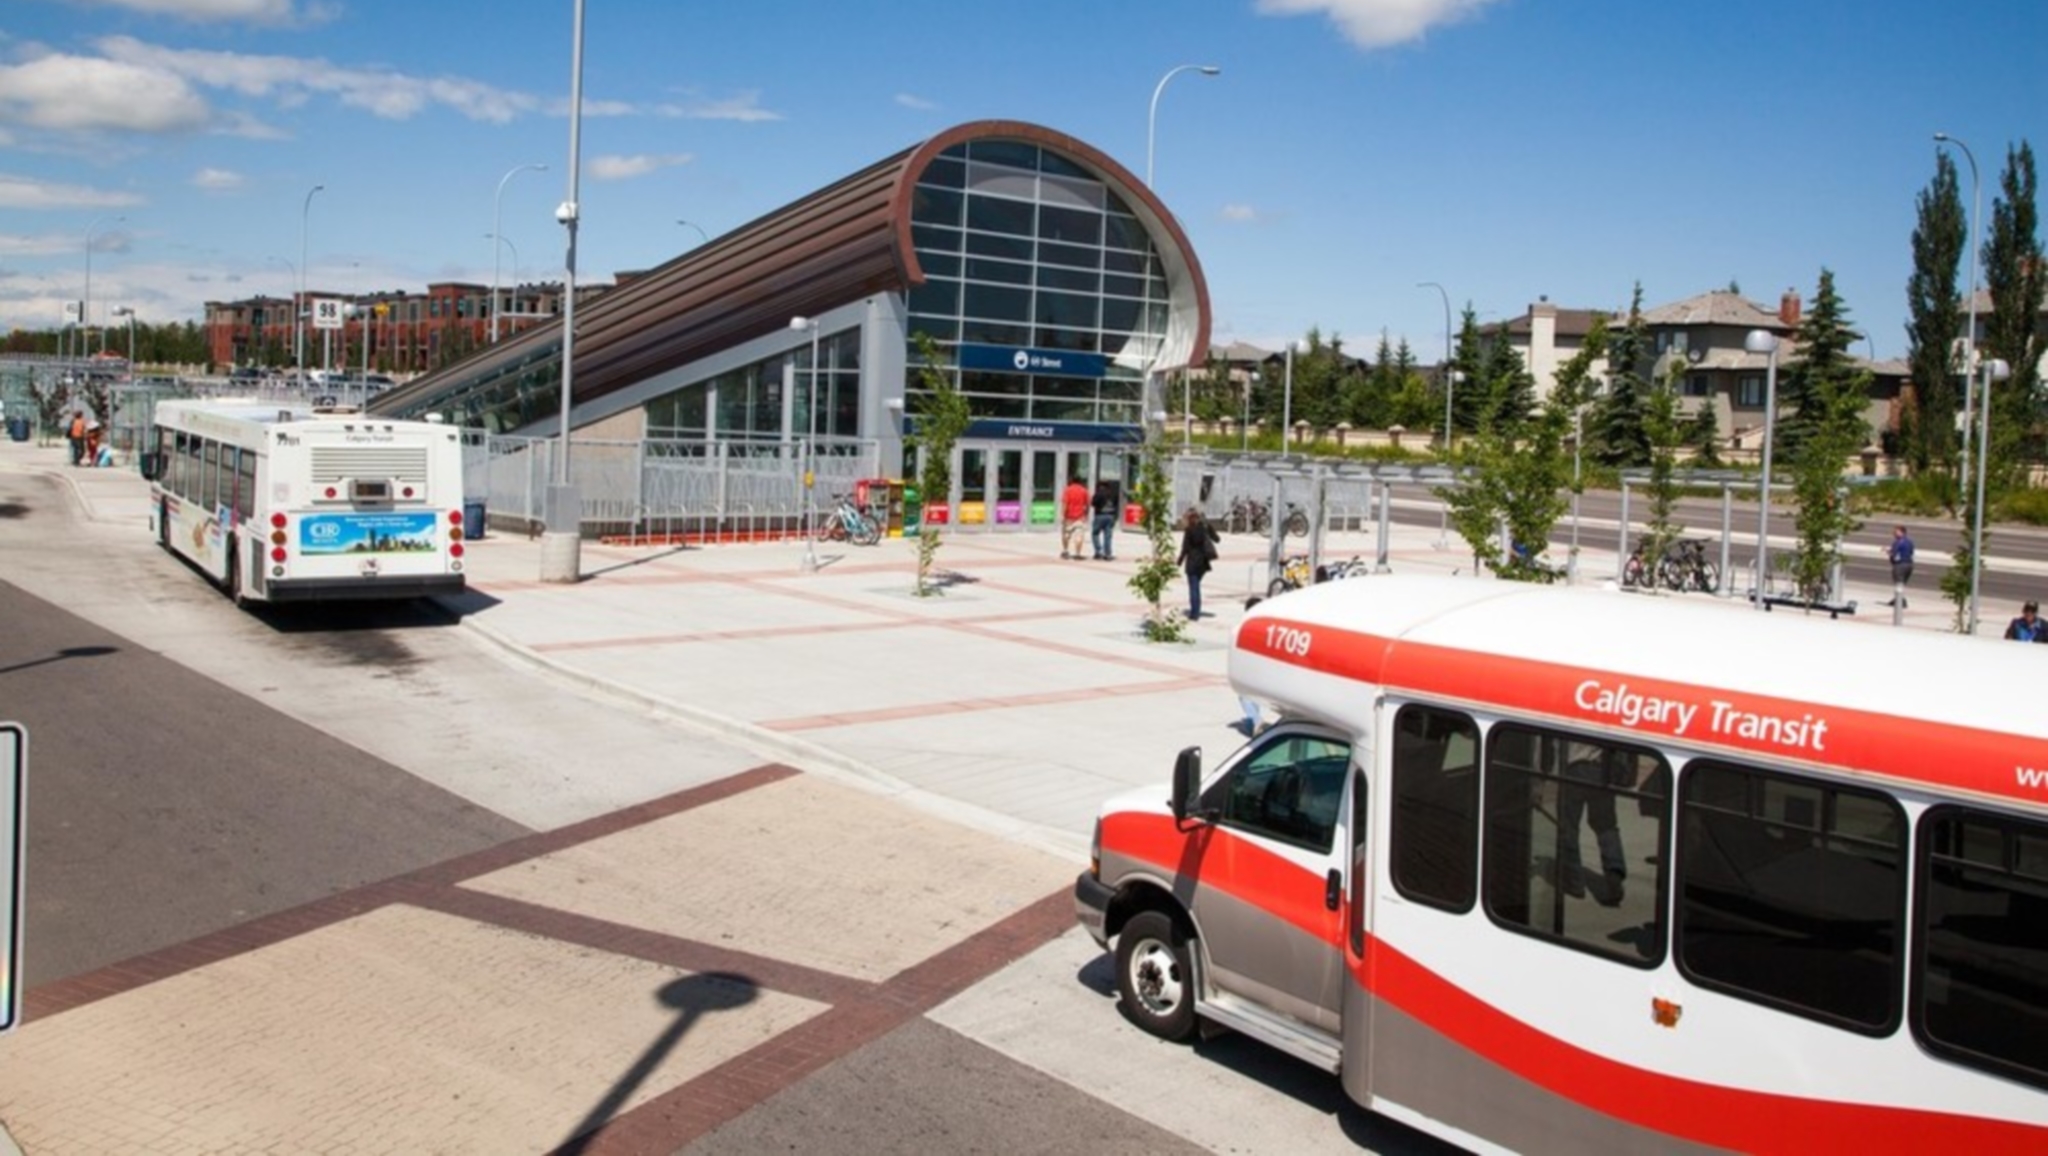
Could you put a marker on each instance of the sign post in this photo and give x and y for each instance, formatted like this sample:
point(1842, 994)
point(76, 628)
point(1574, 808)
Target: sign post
point(13, 862)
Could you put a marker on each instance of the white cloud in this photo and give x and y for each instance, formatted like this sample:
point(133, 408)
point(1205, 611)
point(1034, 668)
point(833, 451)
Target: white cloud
point(30, 193)
point(216, 179)
point(279, 13)
point(745, 106)
point(47, 245)
point(622, 168)
point(292, 80)
point(1380, 23)
point(917, 102)
point(1239, 213)
point(80, 92)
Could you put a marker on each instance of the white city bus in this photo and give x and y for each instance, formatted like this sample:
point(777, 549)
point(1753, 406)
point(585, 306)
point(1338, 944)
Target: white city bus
point(288, 504)
point(1568, 870)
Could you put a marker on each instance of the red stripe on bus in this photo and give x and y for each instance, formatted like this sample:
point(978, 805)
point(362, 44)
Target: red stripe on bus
point(1249, 873)
point(1733, 1118)
point(1921, 751)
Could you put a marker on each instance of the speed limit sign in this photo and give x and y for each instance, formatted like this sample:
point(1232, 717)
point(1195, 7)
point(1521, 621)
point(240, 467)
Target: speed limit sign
point(326, 312)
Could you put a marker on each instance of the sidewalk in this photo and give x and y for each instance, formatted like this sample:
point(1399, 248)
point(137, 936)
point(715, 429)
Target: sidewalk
point(503, 993)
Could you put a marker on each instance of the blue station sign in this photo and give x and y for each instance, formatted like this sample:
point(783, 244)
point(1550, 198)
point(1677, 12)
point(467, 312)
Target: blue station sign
point(1022, 359)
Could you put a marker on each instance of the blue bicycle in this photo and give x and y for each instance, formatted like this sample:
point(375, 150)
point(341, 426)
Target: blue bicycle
point(849, 523)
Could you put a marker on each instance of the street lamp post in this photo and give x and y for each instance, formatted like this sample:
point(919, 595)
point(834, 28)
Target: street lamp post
point(1970, 333)
point(497, 230)
point(1152, 117)
point(561, 543)
point(1765, 342)
point(496, 241)
point(299, 301)
point(802, 324)
point(1287, 402)
point(703, 238)
point(85, 307)
point(1449, 373)
point(1995, 369)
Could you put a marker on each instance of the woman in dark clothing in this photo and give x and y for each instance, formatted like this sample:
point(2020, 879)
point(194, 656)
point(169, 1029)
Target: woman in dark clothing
point(1197, 553)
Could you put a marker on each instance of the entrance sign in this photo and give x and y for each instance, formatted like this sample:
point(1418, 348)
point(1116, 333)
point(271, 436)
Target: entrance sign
point(13, 861)
point(1023, 359)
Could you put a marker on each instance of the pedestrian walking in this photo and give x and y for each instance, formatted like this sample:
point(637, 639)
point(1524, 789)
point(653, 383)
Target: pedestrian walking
point(1901, 557)
point(1197, 554)
point(1108, 498)
point(2028, 627)
point(76, 436)
point(1073, 517)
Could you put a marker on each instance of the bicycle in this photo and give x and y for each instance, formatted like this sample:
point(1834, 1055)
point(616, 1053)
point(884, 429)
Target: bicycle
point(1296, 522)
point(1685, 567)
point(1248, 515)
point(1354, 567)
point(1294, 574)
point(1636, 571)
point(848, 523)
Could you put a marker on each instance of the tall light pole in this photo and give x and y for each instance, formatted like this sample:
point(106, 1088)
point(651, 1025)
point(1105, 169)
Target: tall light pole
point(1970, 333)
point(1995, 369)
point(1152, 117)
point(1765, 342)
point(85, 307)
point(561, 554)
point(703, 238)
point(1442, 293)
point(496, 241)
point(1287, 402)
point(497, 230)
point(801, 324)
point(299, 300)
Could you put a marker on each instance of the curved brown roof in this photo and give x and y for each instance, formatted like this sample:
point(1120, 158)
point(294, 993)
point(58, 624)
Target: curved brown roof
point(847, 240)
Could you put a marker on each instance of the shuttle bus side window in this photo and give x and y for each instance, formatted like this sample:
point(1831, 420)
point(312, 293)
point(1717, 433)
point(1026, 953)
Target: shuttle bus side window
point(1288, 790)
point(1792, 893)
point(1434, 848)
point(1981, 993)
point(1575, 840)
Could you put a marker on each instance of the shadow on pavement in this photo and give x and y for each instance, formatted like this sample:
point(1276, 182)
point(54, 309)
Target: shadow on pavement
point(691, 996)
point(67, 652)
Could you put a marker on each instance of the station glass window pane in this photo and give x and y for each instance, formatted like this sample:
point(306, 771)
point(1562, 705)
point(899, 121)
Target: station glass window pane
point(930, 206)
point(939, 264)
point(1122, 232)
point(997, 303)
point(999, 245)
point(1071, 226)
point(1000, 215)
point(934, 239)
point(1000, 272)
point(1067, 310)
point(983, 332)
point(1073, 256)
point(1070, 280)
point(1015, 154)
point(946, 171)
point(936, 296)
point(1078, 340)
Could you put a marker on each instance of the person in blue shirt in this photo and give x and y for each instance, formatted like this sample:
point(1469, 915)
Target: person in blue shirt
point(1901, 557)
point(2028, 627)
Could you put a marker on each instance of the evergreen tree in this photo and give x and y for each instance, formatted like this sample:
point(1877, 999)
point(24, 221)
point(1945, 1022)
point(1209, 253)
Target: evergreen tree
point(2014, 275)
point(1506, 384)
point(1935, 319)
point(1470, 400)
point(1834, 394)
point(1618, 437)
point(1703, 434)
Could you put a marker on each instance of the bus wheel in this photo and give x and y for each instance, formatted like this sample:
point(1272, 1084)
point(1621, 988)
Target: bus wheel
point(1154, 982)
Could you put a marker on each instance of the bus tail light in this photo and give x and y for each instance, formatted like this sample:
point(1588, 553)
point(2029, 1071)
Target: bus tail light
point(277, 554)
point(277, 538)
point(455, 549)
point(277, 520)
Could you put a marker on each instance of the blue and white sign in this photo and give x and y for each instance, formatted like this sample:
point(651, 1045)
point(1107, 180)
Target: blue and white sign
point(369, 534)
point(1013, 429)
point(1021, 359)
point(13, 862)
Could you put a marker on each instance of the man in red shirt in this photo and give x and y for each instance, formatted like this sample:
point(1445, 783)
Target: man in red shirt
point(1073, 517)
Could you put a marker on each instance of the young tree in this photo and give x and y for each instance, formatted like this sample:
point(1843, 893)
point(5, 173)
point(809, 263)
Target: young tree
point(1618, 437)
point(2014, 275)
point(1934, 319)
point(941, 417)
point(1833, 394)
point(1154, 496)
point(1665, 432)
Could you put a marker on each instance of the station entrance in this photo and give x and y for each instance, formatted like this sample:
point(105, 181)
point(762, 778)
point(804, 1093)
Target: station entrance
point(1010, 487)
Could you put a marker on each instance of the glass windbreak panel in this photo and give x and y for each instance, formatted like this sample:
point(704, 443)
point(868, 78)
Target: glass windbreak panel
point(1792, 893)
point(1981, 997)
point(1434, 842)
point(1575, 841)
point(1000, 215)
point(680, 414)
point(1288, 790)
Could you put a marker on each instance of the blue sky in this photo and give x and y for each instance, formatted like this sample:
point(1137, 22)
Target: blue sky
point(1349, 150)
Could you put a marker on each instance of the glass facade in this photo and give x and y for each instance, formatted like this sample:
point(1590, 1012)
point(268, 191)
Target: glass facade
point(745, 405)
point(1022, 248)
point(513, 395)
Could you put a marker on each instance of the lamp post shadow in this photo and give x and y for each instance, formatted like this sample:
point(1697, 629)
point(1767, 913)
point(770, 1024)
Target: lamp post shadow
point(691, 996)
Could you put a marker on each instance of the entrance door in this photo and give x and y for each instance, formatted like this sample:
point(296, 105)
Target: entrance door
point(973, 512)
point(1006, 507)
point(1042, 485)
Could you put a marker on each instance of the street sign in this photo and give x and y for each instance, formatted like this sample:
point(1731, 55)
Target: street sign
point(327, 313)
point(13, 864)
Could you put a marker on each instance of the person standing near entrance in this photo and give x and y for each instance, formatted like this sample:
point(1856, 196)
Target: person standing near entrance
point(76, 436)
point(1073, 516)
point(1104, 505)
point(1901, 557)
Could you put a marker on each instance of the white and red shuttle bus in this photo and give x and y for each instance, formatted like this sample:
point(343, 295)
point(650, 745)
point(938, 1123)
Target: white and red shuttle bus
point(1565, 870)
point(290, 504)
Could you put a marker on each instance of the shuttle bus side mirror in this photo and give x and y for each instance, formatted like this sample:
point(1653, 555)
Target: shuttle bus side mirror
point(1187, 783)
point(152, 466)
